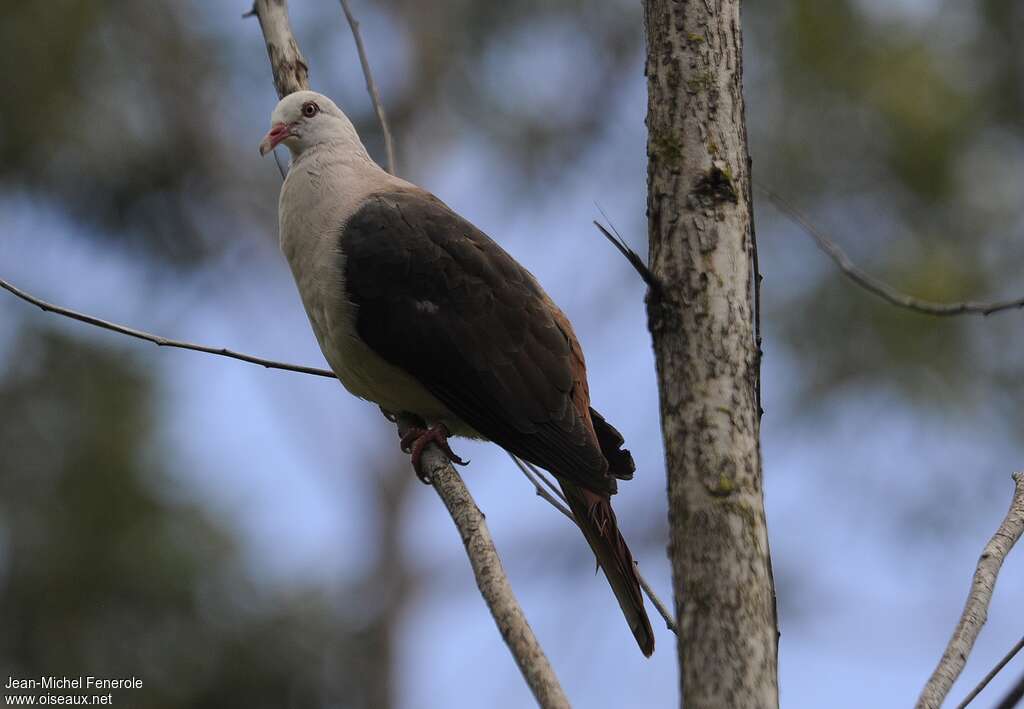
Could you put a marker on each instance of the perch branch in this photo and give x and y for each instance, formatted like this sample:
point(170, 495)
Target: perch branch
point(490, 575)
point(976, 609)
point(159, 340)
point(371, 85)
point(876, 286)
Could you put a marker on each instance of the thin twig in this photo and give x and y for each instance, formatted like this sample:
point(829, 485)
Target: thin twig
point(994, 671)
point(758, 362)
point(878, 287)
point(1013, 697)
point(976, 609)
point(759, 352)
point(541, 492)
point(490, 575)
point(371, 86)
point(542, 475)
point(539, 480)
point(664, 612)
point(159, 340)
point(632, 256)
point(280, 166)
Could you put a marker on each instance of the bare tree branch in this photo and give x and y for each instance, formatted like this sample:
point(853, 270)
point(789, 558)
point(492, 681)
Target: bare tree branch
point(542, 476)
point(756, 295)
point(663, 611)
point(755, 266)
point(490, 575)
point(976, 609)
point(1014, 696)
point(371, 86)
point(291, 73)
point(992, 673)
point(876, 286)
point(556, 502)
point(540, 480)
point(160, 340)
point(281, 169)
point(630, 255)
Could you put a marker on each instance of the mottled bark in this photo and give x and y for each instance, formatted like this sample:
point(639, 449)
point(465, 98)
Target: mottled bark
point(702, 323)
point(291, 73)
point(490, 576)
point(976, 609)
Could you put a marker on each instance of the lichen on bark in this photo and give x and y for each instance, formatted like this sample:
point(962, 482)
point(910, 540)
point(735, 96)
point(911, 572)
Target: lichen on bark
point(701, 248)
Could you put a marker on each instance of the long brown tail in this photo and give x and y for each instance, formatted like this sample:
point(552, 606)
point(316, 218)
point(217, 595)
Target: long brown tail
point(595, 517)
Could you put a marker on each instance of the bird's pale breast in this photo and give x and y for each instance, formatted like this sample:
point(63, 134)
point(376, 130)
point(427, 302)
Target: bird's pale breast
point(317, 198)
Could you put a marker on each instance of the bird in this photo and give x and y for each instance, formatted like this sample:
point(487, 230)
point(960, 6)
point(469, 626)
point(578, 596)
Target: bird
point(419, 311)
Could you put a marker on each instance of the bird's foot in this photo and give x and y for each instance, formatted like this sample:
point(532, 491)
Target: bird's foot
point(417, 439)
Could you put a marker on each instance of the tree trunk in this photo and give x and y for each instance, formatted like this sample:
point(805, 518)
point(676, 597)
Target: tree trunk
point(702, 322)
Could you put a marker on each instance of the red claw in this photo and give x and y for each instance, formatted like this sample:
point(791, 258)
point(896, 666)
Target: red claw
point(416, 439)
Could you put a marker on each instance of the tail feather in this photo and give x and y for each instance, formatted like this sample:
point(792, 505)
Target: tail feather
point(594, 514)
point(620, 460)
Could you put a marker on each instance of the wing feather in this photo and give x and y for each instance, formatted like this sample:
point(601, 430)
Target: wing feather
point(438, 298)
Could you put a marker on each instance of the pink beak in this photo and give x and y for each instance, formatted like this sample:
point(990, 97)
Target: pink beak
point(278, 132)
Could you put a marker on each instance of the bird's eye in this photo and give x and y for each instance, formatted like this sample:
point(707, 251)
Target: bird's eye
point(310, 109)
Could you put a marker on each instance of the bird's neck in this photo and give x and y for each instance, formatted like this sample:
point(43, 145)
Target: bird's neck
point(326, 186)
point(337, 151)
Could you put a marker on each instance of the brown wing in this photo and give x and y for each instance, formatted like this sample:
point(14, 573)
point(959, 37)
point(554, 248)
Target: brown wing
point(438, 298)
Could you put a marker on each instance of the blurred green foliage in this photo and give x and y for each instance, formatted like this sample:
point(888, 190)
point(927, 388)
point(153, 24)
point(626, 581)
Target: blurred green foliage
point(894, 128)
point(107, 117)
point(101, 574)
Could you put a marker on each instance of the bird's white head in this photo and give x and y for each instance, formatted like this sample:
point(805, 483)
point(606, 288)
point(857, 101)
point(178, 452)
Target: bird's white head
point(305, 120)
